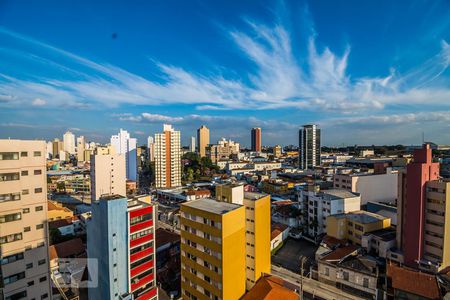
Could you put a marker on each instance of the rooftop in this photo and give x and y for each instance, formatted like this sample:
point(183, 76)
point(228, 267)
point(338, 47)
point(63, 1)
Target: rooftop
point(341, 253)
point(336, 194)
point(164, 236)
point(269, 287)
point(111, 197)
point(211, 205)
point(361, 216)
point(386, 234)
point(70, 248)
point(253, 195)
point(52, 205)
point(277, 229)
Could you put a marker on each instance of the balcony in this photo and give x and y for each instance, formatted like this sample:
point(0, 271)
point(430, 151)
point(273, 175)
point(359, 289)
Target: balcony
point(140, 226)
point(141, 240)
point(137, 256)
point(141, 268)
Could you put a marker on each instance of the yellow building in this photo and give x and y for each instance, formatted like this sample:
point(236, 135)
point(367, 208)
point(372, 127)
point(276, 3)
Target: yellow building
point(276, 186)
point(257, 236)
point(212, 250)
point(231, 193)
point(57, 212)
point(202, 140)
point(277, 151)
point(354, 225)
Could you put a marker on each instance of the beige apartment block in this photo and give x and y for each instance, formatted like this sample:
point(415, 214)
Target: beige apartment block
point(24, 257)
point(202, 140)
point(108, 175)
point(168, 158)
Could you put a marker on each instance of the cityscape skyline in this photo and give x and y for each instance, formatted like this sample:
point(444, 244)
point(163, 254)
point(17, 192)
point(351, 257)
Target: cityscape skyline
point(275, 66)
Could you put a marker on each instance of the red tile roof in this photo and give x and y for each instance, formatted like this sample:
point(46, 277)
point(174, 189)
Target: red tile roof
point(340, 253)
point(70, 248)
point(277, 229)
point(269, 287)
point(332, 242)
point(60, 223)
point(413, 282)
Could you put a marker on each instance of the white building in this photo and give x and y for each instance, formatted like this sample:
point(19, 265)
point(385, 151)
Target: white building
point(49, 150)
point(81, 146)
point(192, 145)
point(168, 158)
point(372, 187)
point(69, 142)
point(321, 204)
point(126, 145)
point(107, 175)
point(151, 148)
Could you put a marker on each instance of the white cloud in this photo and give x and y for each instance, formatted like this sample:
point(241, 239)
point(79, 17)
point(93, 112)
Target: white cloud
point(38, 102)
point(278, 81)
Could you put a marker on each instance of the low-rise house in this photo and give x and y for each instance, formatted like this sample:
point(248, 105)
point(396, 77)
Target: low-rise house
point(351, 272)
point(181, 194)
point(276, 186)
point(279, 233)
point(56, 211)
point(353, 225)
point(64, 226)
point(287, 214)
point(270, 287)
point(379, 242)
point(411, 284)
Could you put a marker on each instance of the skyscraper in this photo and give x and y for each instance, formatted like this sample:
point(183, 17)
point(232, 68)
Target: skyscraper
point(58, 146)
point(121, 249)
point(192, 145)
point(256, 139)
point(415, 213)
point(168, 158)
point(202, 140)
point(69, 142)
point(151, 148)
point(309, 147)
point(81, 145)
point(107, 175)
point(126, 145)
point(24, 255)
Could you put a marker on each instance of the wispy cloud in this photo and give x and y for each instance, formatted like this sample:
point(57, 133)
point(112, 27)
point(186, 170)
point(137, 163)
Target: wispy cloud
point(278, 81)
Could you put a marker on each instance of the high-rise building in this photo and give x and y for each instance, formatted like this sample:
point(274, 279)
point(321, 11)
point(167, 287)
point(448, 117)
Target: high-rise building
point(168, 158)
point(277, 150)
point(121, 249)
point(107, 175)
point(49, 150)
point(69, 142)
point(421, 214)
point(151, 148)
point(192, 145)
point(126, 145)
point(24, 268)
point(309, 147)
point(58, 146)
point(256, 139)
point(257, 229)
point(202, 140)
point(213, 250)
point(81, 145)
point(222, 150)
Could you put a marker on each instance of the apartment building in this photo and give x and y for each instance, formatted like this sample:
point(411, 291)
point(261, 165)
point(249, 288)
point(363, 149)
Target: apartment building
point(69, 142)
point(436, 237)
point(213, 250)
point(81, 145)
point(309, 147)
point(168, 158)
point(257, 236)
point(232, 193)
point(202, 140)
point(353, 225)
point(256, 139)
point(321, 204)
point(124, 144)
point(107, 175)
point(121, 249)
point(222, 150)
point(24, 268)
point(372, 187)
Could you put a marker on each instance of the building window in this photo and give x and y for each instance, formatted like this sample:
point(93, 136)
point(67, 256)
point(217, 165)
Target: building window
point(9, 155)
point(24, 154)
point(42, 279)
point(14, 278)
point(39, 226)
point(346, 275)
point(37, 153)
point(37, 190)
point(10, 238)
point(359, 227)
point(25, 192)
point(26, 229)
point(30, 283)
point(26, 210)
point(9, 197)
point(19, 295)
point(10, 218)
point(29, 266)
point(38, 208)
point(12, 258)
point(9, 176)
point(327, 271)
point(24, 173)
point(45, 296)
point(366, 282)
point(37, 172)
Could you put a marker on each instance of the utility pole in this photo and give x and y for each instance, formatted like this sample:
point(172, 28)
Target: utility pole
point(302, 261)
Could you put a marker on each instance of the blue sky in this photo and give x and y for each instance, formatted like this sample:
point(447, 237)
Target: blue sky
point(368, 72)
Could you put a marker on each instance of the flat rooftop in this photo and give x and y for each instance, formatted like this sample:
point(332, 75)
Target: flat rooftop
point(211, 205)
point(362, 217)
point(253, 195)
point(336, 194)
